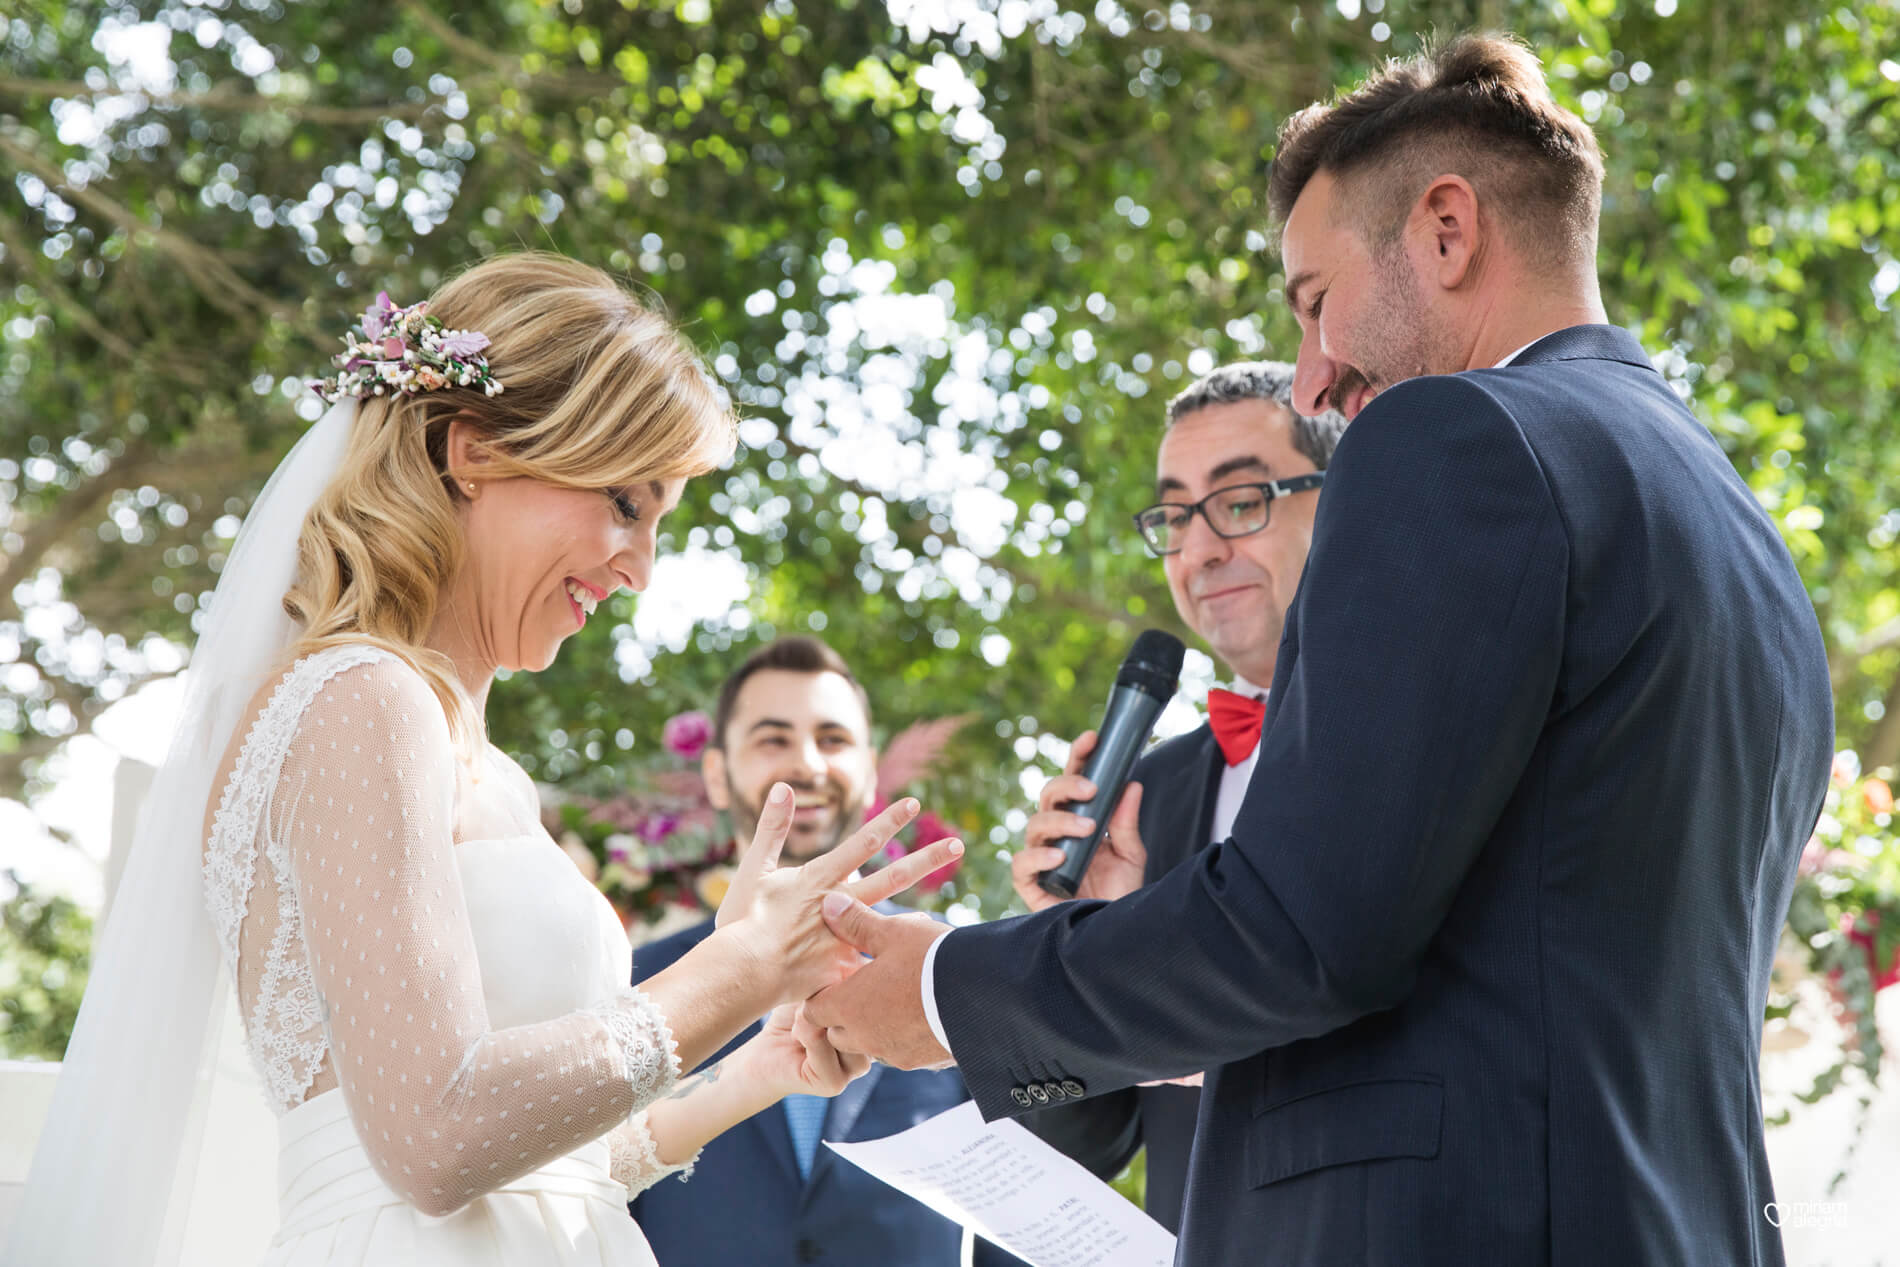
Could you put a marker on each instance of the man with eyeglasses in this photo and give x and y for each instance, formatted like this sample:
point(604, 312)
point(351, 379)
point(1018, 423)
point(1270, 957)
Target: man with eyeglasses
point(1237, 479)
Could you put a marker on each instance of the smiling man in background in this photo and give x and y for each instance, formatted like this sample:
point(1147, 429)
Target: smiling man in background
point(794, 713)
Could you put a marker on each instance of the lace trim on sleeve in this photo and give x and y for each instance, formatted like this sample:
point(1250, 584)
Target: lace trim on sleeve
point(634, 1157)
point(639, 1029)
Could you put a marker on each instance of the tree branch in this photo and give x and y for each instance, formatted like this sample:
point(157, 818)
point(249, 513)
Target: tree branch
point(12, 236)
point(34, 746)
point(1843, 663)
point(217, 281)
point(1160, 607)
point(56, 291)
point(474, 50)
point(1883, 746)
point(71, 507)
point(221, 98)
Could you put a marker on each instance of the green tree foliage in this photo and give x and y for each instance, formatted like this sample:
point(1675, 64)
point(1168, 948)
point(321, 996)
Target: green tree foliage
point(950, 260)
point(45, 944)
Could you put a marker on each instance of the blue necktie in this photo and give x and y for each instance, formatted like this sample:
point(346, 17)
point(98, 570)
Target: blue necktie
point(805, 1116)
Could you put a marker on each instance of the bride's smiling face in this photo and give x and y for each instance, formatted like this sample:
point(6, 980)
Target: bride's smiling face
point(538, 558)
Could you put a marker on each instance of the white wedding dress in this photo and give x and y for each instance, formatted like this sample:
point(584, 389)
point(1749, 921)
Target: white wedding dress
point(444, 1025)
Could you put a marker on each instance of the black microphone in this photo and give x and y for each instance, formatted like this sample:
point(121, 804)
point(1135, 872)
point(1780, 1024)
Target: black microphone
point(1142, 689)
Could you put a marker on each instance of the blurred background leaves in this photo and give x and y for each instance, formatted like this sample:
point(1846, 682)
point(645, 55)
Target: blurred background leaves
point(950, 259)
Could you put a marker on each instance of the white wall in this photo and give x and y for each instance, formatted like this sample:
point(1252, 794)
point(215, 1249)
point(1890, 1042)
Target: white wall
point(26, 1089)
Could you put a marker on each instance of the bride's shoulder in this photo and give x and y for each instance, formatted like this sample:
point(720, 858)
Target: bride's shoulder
point(351, 694)
point(354, 684)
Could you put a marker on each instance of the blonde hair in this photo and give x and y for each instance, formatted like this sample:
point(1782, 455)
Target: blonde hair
point(599, 391)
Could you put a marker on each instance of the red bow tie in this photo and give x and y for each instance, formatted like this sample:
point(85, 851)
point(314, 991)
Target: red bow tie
point(1237, 721)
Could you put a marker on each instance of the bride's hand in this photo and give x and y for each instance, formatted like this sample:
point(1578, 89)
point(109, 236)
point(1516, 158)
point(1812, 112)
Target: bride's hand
point(776, 912)
point(791, 1056)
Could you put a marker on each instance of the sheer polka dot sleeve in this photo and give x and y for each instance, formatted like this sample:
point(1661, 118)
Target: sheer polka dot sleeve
point(447, 1107)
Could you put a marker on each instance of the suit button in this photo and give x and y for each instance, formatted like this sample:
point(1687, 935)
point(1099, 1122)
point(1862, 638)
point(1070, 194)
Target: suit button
point(1037, 1094)
point(808, 1251)
point(1074, 1089)
point(1055, 1092)
point(1020, 1096)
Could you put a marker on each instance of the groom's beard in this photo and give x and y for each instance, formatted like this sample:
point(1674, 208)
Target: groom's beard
point(1411, 340)
point(803, 843)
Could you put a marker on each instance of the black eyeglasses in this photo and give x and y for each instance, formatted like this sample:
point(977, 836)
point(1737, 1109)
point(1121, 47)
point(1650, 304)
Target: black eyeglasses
point(1239, 510)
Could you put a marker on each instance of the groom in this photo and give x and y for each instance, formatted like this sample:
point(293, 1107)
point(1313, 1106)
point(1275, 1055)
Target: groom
point(1479, 975)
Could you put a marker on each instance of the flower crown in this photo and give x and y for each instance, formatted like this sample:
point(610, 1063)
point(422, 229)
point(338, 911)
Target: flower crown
point(405, 352)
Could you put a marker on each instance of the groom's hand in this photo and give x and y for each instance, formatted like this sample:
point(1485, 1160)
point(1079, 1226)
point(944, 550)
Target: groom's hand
point(879, 1009)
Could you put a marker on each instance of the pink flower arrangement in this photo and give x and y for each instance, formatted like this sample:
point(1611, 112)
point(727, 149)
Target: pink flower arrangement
point(655, 828)
point(687, 735)
point(398, 351)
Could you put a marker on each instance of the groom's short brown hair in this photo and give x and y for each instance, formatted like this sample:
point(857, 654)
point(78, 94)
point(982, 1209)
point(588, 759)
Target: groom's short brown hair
point(1478, 108)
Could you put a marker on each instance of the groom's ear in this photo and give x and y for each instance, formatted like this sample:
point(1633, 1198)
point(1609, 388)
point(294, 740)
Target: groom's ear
point(712, 768)
point(1453, 231)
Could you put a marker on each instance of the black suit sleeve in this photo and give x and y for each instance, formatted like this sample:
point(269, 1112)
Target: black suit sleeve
point(1417, 670)
point(1105, 1132)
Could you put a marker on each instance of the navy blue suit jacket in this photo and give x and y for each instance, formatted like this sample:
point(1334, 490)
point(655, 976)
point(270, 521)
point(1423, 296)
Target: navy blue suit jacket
point(746, 1206)
point(1180, 781)
point(1480, 972)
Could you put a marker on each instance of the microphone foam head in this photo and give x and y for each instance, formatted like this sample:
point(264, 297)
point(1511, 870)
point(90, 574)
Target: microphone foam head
point(1154, 664)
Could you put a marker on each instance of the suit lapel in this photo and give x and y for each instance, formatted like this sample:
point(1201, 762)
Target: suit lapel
point(1181, 792)
point(1203, 774)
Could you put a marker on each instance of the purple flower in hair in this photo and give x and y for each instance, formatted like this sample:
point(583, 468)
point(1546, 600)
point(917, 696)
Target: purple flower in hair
point(400, 351)
point(376, 316)
point(464, 343)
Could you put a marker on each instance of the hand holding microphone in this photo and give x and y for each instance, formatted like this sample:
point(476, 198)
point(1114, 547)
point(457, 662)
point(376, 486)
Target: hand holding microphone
point(1119, 866)
point(1142, 689)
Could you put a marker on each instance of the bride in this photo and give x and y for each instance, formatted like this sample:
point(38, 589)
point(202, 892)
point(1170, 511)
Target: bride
point(435, 1001)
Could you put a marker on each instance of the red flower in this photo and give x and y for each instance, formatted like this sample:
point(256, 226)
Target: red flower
point(931, 829)
point(1878, 796)
point(1861, 932)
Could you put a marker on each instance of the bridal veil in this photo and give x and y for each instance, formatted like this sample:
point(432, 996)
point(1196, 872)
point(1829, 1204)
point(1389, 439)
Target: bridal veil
point(113, 1176)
